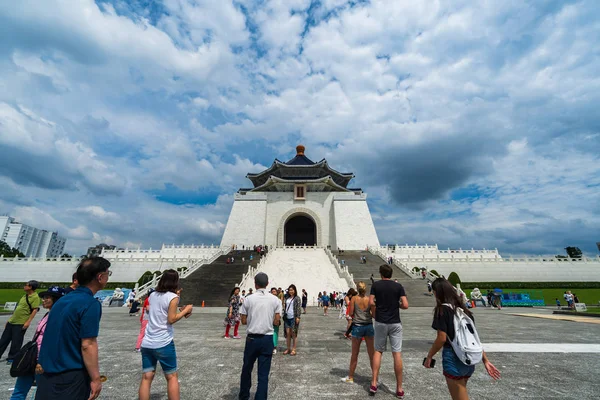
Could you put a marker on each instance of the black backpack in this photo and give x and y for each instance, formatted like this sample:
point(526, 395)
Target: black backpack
point(25, 361)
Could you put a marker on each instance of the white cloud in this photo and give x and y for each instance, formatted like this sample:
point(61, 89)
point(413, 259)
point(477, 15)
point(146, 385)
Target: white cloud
point(100, 105)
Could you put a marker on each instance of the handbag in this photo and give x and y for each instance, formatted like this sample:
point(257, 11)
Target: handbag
point(25, 361)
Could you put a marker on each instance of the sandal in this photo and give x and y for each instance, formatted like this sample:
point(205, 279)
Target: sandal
point(293, 353)
point(285, 353)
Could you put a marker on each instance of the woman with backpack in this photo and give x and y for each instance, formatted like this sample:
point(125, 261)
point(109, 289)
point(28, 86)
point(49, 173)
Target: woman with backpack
point(158, 345)
point(449, 311)
point(24, 383)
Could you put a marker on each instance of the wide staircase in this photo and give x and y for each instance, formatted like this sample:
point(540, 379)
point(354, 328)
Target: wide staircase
point(307, 268)
point(212, 283)
point(416, 289)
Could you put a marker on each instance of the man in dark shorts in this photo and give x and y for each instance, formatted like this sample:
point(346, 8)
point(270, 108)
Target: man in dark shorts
point(386, 300)
point(69, 351)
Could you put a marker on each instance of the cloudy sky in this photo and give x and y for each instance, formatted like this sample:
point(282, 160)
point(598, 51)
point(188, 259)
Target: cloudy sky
point(469, 124)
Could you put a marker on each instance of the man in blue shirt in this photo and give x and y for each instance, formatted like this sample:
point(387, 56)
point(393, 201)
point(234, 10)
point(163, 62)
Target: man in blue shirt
point(69, 351)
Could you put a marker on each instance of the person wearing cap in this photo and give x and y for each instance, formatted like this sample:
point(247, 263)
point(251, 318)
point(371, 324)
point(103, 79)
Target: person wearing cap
point(259, 312)
point(24, 383)
point(69, 352)
point(15, 328)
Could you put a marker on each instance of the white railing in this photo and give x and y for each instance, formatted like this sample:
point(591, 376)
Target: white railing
point(383, 254)
point(143, 289)
point(248, 277)
point(342, 270)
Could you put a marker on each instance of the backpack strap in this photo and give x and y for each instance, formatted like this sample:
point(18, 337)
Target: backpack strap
point(28, 303)
point(38, 331)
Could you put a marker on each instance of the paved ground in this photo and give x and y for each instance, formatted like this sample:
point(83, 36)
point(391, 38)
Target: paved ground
point(210, 366)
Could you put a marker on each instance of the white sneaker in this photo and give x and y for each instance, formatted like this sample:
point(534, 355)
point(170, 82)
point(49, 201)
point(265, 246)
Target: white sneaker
point(274, 351)
point(347, 380)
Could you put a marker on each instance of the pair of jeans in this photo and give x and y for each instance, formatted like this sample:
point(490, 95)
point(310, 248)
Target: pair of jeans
point(258, 347)
point(14, 335)
point(22, 387)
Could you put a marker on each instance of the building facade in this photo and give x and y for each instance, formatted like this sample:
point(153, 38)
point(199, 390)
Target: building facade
point(301, 202)
point(31, 241)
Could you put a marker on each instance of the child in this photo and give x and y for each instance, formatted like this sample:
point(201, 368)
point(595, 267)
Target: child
point(557, 303)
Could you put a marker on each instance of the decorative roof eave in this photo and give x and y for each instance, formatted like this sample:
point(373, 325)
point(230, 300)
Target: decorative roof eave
point(328, 180)
point(277, 163)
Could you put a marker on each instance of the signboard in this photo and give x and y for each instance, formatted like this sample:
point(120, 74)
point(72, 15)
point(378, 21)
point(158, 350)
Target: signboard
point(579, 307)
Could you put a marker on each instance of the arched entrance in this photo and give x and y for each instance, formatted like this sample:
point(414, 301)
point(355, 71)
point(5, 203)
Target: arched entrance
point(300, 230)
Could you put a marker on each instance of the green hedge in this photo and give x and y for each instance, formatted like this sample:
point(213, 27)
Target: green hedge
point(531, 285)
point(434, 272)
point(45, 285)
point(454, 279)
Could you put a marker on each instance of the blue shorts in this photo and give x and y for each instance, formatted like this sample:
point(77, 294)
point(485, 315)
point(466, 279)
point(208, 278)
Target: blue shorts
point(289, 323)
point(165, 355)
point(453, 367)
point(325, 303)
point(361, 331)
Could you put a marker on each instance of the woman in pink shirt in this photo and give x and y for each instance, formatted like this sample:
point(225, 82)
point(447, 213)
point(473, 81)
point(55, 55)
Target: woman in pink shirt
point(24, 383)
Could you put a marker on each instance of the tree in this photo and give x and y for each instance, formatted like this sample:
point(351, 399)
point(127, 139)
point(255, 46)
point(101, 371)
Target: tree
point(573, 252)
point(454, 279)
point(67, 255)
point(7, 251)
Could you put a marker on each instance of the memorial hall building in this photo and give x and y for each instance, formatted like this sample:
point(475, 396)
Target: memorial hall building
point(301, 203)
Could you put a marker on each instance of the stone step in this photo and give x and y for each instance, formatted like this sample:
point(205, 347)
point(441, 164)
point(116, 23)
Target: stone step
point(213, 283)
point(416, 289)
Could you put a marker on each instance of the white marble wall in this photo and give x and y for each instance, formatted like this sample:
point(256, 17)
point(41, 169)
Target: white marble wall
point(246, 224)
point(526, 270)
point(61, 271)
point(354, 229)
point(258, 218)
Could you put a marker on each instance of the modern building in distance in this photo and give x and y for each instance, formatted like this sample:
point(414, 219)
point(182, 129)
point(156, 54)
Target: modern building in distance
point(97, 250)
point(31, 241)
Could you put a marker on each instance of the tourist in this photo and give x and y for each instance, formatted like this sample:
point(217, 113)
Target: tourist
point(386, 299)
point(243, 294)
point(158, 345)
point(477, 296)
point(362, 328)
point(372, 278)
point(19, 321)
point(569, 298)
point(332, 300)
point(304, 301)
point(280, 295)
point(249, 292)
point(260, 312)
point(557, 303)
point(74, 284)
point(344, 306)
point(430, 289)
point(274, 292)
point(233, 314)
point(69, 352)
point(130, 298)
point(143, 321)
point(319, 300)
point(24, 383)
point(490, 297)
point(423, 273)
point(575, 299)
point(325, 301)
point(456, 372)
point(351, 293)
point(291, 319)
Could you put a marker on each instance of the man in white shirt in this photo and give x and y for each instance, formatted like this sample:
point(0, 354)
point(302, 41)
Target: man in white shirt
point(260, 312)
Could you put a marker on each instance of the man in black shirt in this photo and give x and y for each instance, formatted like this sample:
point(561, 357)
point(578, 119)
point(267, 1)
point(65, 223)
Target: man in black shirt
point(386, 300)
point(74, 284)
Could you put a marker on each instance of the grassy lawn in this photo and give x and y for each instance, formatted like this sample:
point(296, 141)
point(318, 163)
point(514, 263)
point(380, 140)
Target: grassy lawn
point(10, 295)
point(589, 296)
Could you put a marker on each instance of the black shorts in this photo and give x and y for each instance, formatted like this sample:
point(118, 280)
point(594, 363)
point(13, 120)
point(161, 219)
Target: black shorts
point(72, 385)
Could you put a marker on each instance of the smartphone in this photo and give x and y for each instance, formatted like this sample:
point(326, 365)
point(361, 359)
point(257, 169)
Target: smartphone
point(432, 362)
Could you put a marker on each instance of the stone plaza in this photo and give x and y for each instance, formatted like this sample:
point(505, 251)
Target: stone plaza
point(539, 358)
